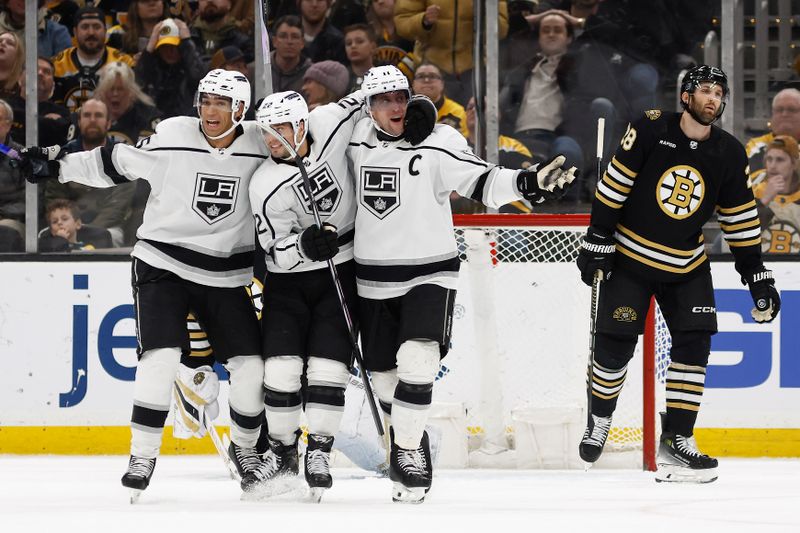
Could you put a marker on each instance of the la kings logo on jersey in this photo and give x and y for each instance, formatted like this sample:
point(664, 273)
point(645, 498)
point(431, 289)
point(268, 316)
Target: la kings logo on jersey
point(325, 189)
point(380, 190)
point(215, 196)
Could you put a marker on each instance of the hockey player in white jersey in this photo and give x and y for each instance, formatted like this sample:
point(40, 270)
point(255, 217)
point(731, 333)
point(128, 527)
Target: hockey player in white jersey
point(302, 324)
point(406, 258)
point(194, 253)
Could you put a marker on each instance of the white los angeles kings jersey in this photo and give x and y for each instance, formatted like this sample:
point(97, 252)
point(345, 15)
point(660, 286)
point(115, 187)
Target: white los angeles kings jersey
point(280, 204)
point(404, 226)
point(197, 222)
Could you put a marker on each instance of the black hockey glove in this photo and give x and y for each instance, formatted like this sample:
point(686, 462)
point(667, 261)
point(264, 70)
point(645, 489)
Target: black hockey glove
point(39, 163)
point(596, 253)
point(319, 244)
point(765, 295)
point(420, 119)
point(546, 181)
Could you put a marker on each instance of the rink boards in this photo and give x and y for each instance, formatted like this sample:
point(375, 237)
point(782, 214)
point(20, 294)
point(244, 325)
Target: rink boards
point(67, 344)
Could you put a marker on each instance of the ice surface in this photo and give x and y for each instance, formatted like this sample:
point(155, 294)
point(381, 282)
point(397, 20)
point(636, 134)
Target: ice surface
point(193, 493)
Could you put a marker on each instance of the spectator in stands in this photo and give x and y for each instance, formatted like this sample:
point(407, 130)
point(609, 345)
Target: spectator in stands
point(76, 67)
point(132, 113)
point(428, 80)
point(170, 68)
point(325, 82)
point(785, 120)
point(380, 15)
point(106, 208)
point(133, 36)
point(215, 27)
point(54, 119)
point(12, 63)
point(12, 190)
point(444, 33)
point(360, 46)
point(244, 13)
point(67, 232)
point(512, 154)
point(323, 41)
point(52, 36)
point(63, 12)
point(779, 197)
point(344, 13)
point(288, 63)
point(532, 102)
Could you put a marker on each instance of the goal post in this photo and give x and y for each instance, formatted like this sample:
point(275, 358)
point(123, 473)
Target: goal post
point(521, 336)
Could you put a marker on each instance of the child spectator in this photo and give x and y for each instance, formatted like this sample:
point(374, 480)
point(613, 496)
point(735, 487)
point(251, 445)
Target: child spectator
point(67, 232)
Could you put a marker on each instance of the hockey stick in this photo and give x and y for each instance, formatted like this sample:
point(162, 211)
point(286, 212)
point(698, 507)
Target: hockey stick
point(263, 9)
point(598, 276)
point(336, 282)
point(221, 450)
point(601, 127)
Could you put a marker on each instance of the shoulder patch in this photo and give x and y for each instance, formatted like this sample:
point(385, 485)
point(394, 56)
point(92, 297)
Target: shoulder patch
point(653, 114)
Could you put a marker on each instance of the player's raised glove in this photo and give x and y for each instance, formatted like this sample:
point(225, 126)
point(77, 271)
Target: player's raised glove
point(319, 244)
point(39, 163)
point(765, 295)
point(596, 253)
point(546, 181)
point(420, 119)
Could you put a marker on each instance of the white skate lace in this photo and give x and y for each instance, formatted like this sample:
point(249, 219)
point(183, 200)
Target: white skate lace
point(599, 434)
point(687, 445)
point(412, 461)
point(247, 458)
point(140, 467)
point(317, 462)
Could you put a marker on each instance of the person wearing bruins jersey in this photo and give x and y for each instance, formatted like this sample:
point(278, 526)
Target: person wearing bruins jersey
point(779, 197)
point(669, 175)
point(76, 67)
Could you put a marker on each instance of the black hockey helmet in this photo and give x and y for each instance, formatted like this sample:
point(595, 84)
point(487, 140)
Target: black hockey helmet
point(704, 73)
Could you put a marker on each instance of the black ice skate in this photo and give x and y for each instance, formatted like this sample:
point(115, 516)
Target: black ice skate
point(317, 465)
point(137, 478)
point(411, 471)
point(277, 474)
point(594, 438)
point(248, 463)
point(679, 460)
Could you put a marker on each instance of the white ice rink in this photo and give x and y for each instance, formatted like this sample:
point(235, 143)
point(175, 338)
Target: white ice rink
point(193, 493)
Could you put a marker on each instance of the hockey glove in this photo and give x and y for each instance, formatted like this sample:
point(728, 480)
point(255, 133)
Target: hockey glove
point(39, 163)
point(319, 244)
point(195, 393)
point(596, 253)
point(420, 119)
point(546, 181)
point(765, 295)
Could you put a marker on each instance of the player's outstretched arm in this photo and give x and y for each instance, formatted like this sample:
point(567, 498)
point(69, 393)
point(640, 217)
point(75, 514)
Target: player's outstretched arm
point(39, 163)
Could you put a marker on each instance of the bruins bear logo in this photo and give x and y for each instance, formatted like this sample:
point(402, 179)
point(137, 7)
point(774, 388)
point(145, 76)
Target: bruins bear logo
point(624, 314)
point(653, 114)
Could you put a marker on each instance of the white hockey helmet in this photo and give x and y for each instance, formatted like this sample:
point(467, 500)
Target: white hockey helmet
point(230, 84)
point(287, 106)
point(383, 79)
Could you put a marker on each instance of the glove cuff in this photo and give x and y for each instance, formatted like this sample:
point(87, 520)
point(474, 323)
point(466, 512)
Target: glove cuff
point(759, 276)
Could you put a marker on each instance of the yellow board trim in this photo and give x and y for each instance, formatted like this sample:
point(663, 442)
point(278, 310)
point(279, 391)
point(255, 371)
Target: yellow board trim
point(115, 440)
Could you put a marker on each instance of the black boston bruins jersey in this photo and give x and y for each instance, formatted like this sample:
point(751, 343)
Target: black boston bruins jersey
point(661, 187)
point(74, 82)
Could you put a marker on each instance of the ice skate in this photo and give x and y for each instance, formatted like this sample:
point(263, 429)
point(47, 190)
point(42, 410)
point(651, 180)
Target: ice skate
point(278, 473)
point(248, 464)
point(411, 471)
point(137, 478)
point(679, 461)
point(317, 465)
point(594, 438)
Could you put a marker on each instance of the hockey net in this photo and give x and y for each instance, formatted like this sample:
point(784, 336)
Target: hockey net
point(521, 337)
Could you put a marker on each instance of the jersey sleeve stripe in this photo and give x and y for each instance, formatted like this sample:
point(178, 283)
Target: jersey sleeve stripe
point(731, 228)
point(622, 168)
point(109, 170)
point(736, 209)
point(609, 203)
point(618, 176)
point(731, 219)
point(621, 188)
point(742, 244)
point(480, 186)
point(610, 193)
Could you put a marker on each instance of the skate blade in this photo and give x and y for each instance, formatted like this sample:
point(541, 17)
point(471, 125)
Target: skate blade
point(587, 465)
point(287, 487)
point(403, 494)
point(315, 494)
point(135, 494)
point(669, 473)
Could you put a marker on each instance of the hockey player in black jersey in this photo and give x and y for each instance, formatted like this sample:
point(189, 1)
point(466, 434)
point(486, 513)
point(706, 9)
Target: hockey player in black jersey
point(194, 253)
point(670, 174)
point(406, 258)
